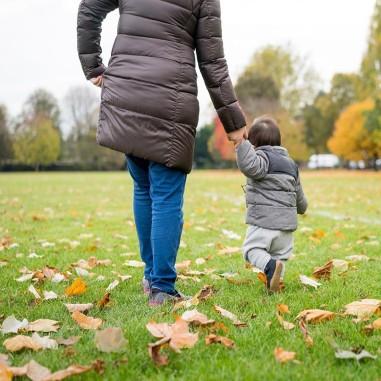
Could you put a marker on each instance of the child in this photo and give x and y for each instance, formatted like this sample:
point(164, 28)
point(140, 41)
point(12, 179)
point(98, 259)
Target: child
point(274, 196)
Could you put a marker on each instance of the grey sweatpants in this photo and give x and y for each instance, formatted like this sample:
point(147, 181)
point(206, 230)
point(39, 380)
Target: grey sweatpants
point(262, 244)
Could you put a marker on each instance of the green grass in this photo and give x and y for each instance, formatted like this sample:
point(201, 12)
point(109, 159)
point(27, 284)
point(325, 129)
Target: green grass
point(100, 204)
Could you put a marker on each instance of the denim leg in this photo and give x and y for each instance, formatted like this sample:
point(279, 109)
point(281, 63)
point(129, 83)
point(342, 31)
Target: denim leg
point(139, 170)
point(167, 194)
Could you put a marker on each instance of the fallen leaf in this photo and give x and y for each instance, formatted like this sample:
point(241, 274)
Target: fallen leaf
point(323, 272)
point(309, 281)
point(307, 338)
point(200, 261)
point(376, 325)
point(104, 301)
point(181, 337)
point(159, 330)
point(283, 356)
point(5, 373)
point(193, 316)
point(12, 325)
point(43, 325)
point(50, 295)
point(4, 359)
point(357, 258)
point(364, 308)
point(79, 307)
point(25, 277)
point(315, 316)
point(78, 287)
point(183, 265)
point(354, 354)
point(68, 372)
point(133, 263)
point(229, 315)
point(45, 341)
point(283, 308)
point(229, 250)
point(86, 322)
point(69, 341)
point(206, 292)
point(285, 324)
point(19, 342)
point(112, 285)
point(33, 370)
point(33, 291)
point(230, 234)
point(110, 340)
point(214, 339)
point(341, 265)
point(154, 350)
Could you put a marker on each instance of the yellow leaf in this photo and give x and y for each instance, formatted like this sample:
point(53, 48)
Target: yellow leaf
point(78, 287)
point(315, 316)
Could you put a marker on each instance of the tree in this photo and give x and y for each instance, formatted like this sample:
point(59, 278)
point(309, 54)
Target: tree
point(351, 139)
point(293, 136)
point(371, 64)
point(202, 157)
point(220, 148)
point(5, 137)
point(257, 94)
point(37, 142)
point(373, 127)
point(295, 80)
point(320, 116)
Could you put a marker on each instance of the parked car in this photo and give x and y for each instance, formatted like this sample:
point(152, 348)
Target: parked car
point(323, 161)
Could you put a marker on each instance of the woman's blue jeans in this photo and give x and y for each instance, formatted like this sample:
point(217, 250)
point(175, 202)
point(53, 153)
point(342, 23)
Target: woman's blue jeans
point(158, 203)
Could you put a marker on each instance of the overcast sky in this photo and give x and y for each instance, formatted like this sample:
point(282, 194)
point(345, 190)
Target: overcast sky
point(38, 40)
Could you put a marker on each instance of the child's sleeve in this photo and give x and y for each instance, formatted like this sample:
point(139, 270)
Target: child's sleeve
point(301, 200)
point(249, 162)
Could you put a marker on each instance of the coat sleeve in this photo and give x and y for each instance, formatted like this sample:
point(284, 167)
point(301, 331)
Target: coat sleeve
point(213, 66)
point(91, 14)
point(301, 200)
point(250, 163)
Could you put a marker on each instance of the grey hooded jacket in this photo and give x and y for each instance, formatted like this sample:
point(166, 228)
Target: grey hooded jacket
point(149, 105)
point(274, 194)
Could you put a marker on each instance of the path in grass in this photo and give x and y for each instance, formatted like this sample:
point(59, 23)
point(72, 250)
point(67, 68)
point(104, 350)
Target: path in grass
point(95, 211)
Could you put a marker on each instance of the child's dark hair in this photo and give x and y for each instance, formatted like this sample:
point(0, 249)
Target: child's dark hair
point(265, 132)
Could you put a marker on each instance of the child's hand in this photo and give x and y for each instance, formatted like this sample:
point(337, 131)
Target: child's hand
point(97, 81)
point(237, 136)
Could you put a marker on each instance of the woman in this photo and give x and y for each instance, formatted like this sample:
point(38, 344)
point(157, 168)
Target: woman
point(149, 110)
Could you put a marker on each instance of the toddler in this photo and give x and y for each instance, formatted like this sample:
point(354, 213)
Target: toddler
point(274, 197)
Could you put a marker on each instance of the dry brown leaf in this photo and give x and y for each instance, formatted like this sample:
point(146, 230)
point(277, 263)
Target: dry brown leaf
point(214, 339)
point(4, 359)
point(86, 322)
point(110, 340)
point(309, 281)
point(133, 263)
point(283, 356)
point(229, 315)
point(43, 325)
point(5, 373)
point(159, 330)
point(341, 265)
point(283, 308)
point(181, 337)
point(69, 341)
point(262, 277)
point(79, 307)
point(104, 302)
point(323, 272)
point(193, 316)
point(285, 324)
point(376, 325)
point(154, 351)
point(33, 370)
point(206, 292)
point(183, 265)
point(19, 342)
point(315, 316)
point(364, 308)
point(72, 370)
point(78, 287)
point(307, 338)
point(229, 250)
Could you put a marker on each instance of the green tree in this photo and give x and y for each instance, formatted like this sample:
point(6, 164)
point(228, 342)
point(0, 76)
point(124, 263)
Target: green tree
point(371, 64)
point(37, 142)
point(257, 94)
point(373, 127)
point(202, 157)
point(295, 80)
point(5, 136)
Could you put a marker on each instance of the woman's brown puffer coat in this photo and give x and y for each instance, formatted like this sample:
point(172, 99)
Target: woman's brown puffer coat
point(149, 104)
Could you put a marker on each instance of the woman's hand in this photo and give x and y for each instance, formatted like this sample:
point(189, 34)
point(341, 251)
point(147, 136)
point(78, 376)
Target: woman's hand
point(97, 81)
point(237, 136)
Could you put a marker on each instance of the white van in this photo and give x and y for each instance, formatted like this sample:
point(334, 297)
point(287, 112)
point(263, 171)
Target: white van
point(323, 161)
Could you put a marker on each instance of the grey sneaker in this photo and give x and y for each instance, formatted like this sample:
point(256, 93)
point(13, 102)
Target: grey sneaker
point(146, 286)
point(158, 297)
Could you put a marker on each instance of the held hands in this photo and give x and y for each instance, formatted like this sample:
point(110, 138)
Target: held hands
point(236, 137)
point(97, 81)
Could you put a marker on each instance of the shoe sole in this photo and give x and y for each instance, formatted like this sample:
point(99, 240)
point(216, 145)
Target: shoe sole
point(275, 281)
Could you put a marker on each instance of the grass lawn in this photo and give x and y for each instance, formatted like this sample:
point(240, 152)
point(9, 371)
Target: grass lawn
point(95, 210)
